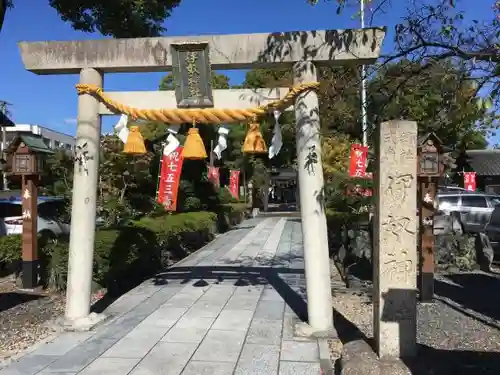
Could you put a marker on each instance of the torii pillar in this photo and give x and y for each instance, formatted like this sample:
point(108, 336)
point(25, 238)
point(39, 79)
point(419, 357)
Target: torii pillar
point(312, 210)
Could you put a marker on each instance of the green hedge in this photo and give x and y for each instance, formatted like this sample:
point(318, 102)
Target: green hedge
point(231, 214)
point(338, 223)
point(10, 249)
point(127, 255)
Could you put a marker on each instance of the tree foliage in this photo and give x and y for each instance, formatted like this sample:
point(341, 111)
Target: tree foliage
point(439, 96)
point(126, 185)
point(118, 18)
point(335, 155)
point(59, 181)
point(436, 30)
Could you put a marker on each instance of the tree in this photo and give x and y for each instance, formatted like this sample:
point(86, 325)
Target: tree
point(60, 179)
point(335, 155)
point(126, 185)
point(435, 30)
point(117, 18)
point(439, 97)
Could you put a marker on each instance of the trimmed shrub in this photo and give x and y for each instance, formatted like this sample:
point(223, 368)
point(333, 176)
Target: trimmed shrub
point(10, 249)
point(126, 255)
point(54, 264)
point(225, 196)
point(230, 214)
point(10, 254)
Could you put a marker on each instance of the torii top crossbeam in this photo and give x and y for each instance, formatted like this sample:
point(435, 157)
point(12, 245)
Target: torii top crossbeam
point(236, 51)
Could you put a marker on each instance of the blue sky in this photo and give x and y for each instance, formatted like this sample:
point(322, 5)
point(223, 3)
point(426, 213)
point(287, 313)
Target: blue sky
point(51, 100)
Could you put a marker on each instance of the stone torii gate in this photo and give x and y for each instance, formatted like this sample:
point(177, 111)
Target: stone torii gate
point(300, 50)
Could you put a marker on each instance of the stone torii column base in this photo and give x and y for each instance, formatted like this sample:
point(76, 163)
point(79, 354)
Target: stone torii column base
point(303, 329)
point(83, 324)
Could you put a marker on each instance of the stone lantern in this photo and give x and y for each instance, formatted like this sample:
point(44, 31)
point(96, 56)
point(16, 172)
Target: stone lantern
point(26, 158)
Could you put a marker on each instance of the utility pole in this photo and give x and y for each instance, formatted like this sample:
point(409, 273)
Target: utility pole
point(364, 120)
point(3, 144)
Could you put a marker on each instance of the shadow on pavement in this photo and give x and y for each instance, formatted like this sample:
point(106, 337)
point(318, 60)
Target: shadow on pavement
point(479, 292)
point(282, 207)
point(242, 276)
point(8, 300)
point(432, 361)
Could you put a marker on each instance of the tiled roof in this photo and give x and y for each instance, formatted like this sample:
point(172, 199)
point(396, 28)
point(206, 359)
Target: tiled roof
point(33, 142)
point(484, 162)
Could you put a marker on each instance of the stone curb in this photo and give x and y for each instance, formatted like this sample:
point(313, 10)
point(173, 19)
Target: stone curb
point(358, 358)
point(325, 362)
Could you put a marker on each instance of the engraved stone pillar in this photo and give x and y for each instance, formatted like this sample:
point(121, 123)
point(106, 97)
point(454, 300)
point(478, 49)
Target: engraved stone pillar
point(312, 211)
point(395, 240)
point(83, 212)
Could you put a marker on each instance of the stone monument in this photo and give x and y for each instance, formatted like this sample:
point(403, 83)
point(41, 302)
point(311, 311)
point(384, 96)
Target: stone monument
point(395, 240)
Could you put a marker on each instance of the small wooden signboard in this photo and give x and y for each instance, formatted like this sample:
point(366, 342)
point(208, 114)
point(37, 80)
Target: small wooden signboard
point(192, 75)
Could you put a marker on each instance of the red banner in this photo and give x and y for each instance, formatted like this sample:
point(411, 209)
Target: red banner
point(357, 160)
point(214, 176)
point(470, 181)
point(234, 183)
point(170, 176)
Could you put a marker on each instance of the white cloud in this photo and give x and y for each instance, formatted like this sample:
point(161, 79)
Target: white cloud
point(70, 120)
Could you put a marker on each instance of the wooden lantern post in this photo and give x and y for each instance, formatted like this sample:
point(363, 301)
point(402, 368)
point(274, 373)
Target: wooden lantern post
point(27, 161)
point(429, 170)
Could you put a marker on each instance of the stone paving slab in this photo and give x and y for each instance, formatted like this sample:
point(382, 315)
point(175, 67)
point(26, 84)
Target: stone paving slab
point(225, 310)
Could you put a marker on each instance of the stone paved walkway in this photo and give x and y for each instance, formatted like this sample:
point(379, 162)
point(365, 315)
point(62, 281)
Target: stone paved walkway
point(227, 309)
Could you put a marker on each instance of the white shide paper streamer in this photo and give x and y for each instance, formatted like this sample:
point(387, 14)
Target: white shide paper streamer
point(222, 141)
point(172, 141)
point(121, 128)
point(277, 141)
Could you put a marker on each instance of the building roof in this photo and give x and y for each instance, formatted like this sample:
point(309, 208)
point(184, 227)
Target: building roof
point(34, 143)
point(484, 162)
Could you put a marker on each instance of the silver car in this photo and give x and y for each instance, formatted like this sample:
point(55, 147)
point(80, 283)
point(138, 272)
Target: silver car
point(474, 209)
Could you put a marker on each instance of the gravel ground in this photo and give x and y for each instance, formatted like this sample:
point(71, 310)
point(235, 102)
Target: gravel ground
point(26, 318)
point(461, 330)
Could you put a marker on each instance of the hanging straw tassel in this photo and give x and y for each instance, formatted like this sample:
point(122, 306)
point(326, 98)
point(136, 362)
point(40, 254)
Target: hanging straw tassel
point(135, 142)
point(194, 149)
point(254, 142)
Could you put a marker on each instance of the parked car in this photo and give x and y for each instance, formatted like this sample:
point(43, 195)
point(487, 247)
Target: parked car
point(52, 218)
point(473, 209)
point(492, 230)
point(450, 189)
